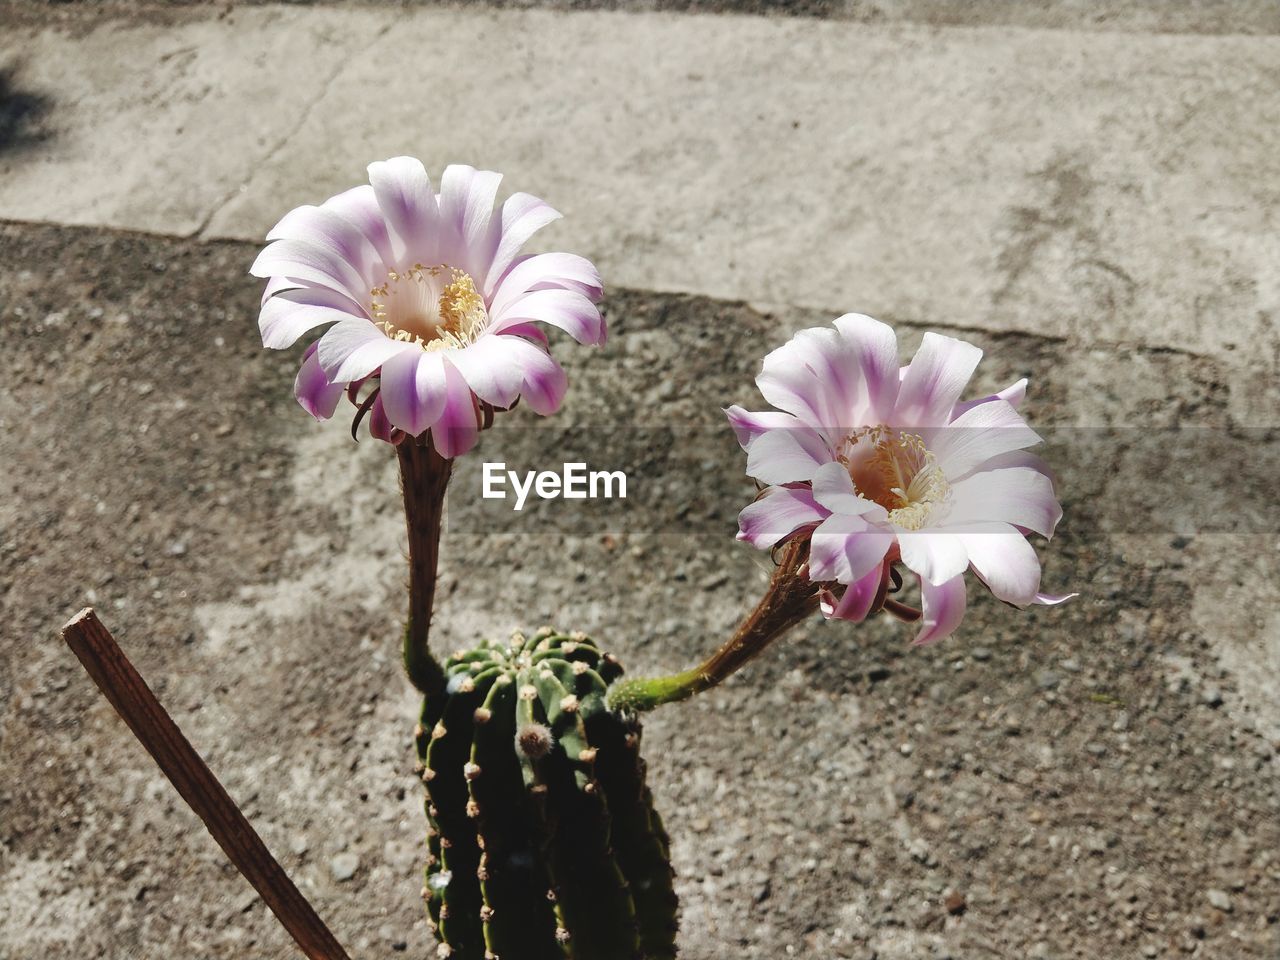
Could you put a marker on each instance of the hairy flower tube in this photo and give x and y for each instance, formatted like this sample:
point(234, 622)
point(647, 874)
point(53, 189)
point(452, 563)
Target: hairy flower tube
point(427, 297)
point(875, 465)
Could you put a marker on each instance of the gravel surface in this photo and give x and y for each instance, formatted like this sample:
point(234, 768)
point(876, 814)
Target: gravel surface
point(1078, 782)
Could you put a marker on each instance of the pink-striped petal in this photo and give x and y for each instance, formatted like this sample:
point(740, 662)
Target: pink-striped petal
point(458, 427)
point(413, 390)
point(1016, 495)
point(943, 609)
point(360, 206)
point(522, 216)
point(858, 597)
point(1020, 459)
point(283, 319)
point(409, 208)
point(466, 207)
point(527, 331)
point(934, 380)
point(1005, 561)
point(490, 369)
point(785, 456)
point(544, 380)
point(354, 349)
point(315, 393)
point(380, 426)
point(777, 514)
point(325, 227)
point(845, 548)
point(1013, 395)
point(936, 555)
point(567, 309)
point(313, 262)
point(788, 381)
point(541, 271)
point(747, 425)
point(875, 349)
point(977, 436)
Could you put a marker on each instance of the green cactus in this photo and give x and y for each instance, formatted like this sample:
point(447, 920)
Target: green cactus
point(543, 841)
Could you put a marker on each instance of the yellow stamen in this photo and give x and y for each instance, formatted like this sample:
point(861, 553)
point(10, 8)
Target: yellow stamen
point(897, 471)
point(413, 306)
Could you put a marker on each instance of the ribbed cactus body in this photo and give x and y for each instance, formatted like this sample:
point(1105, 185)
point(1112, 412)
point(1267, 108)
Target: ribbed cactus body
point(544, 843)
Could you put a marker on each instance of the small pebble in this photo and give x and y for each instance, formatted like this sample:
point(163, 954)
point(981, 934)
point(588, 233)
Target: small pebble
point(1219, 900)
point(344, 866)
point(1047, 679)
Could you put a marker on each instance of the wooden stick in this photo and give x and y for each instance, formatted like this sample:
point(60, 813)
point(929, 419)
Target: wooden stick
point(138, 706)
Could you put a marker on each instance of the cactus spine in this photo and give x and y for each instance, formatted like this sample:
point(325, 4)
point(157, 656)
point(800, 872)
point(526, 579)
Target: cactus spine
point(543, 841)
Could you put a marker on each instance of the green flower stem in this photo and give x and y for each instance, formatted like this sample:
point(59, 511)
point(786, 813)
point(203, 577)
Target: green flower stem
point(424, 477)
point(791, 598)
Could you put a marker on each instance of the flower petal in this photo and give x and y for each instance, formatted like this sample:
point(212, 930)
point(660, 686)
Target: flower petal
point(1049, 600)
point(858, 597)
point(780, 512)
point(790, 380)
point(936, 555)
point(943, 605)
point(413, 390)
point(380, 427)
point(466, 207)
point(544, 382)
point(458, 427)
point(934, 380)
point(359, 205)
point(318, 263)
point(317, 395)
point(490, 370)
point(1013, 395)
point(522, 216)
point(875, 348)
point(977, 436)
point(541, 271)
point(283, 319)
point(1005, 561)
point(845, 548)
point(1017, 495)
point(355, 348)
point(325, 227)
point(747, 425)
point(567, 309)
point(833, 488)
point(785, 456)
point(410, 209)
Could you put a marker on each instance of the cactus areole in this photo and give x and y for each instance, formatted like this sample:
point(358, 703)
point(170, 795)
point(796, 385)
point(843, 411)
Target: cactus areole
point(543, 843)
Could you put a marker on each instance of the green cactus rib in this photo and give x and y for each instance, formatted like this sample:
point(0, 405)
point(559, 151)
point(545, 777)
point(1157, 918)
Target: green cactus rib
point(543, 843)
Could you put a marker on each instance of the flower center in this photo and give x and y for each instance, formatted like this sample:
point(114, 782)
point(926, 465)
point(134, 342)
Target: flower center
point(437, 307)
point(897, 471)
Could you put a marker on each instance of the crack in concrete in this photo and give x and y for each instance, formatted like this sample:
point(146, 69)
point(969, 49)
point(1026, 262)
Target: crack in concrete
point(201, 230)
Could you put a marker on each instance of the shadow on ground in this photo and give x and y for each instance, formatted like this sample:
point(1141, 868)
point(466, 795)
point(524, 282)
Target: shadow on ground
point(23, 114)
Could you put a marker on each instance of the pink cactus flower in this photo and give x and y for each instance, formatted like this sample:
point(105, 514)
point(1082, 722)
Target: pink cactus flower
point(878, 465)
point(428, 297)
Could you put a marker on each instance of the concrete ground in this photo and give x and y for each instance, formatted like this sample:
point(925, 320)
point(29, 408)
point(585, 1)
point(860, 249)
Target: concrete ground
point(1086, 190)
